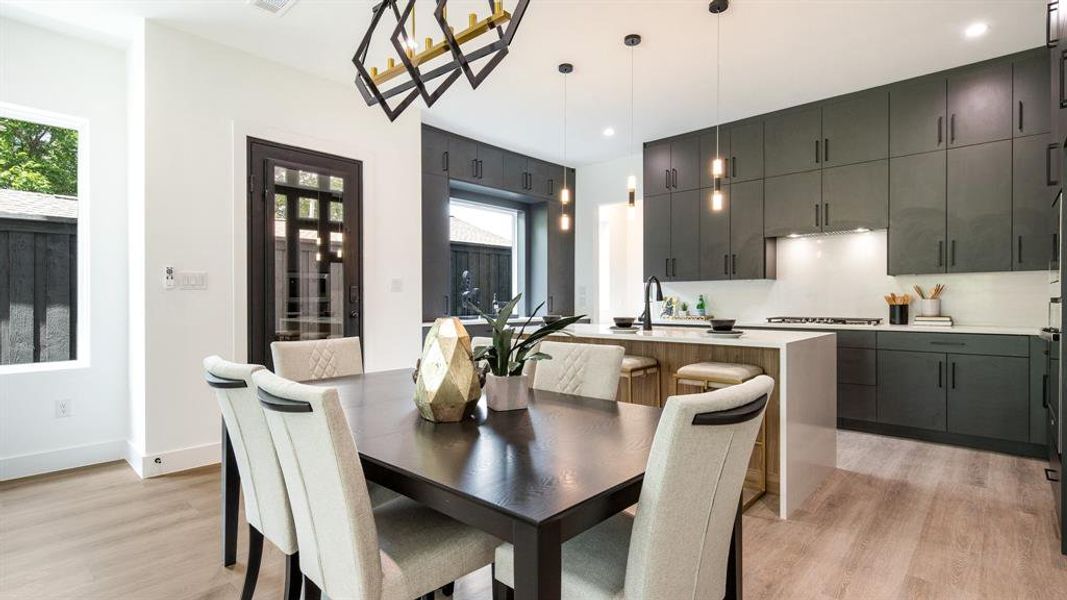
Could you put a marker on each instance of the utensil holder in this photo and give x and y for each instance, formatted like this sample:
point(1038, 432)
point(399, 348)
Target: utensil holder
point(898, 314)
point(930, 307)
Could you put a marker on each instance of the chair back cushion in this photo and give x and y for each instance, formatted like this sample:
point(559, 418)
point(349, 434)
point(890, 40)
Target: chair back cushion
point(335, 526)
point(266, 501)
point(317, 359)
point(681, 536)
point(580, 369)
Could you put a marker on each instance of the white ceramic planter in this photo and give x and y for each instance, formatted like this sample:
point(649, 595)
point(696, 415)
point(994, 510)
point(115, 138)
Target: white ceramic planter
point(507, 393)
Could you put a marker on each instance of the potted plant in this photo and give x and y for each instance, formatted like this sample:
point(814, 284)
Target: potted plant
point(506, 387)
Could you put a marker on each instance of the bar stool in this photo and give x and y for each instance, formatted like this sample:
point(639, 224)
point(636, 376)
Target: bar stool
point(715, 375)
point(638, 366)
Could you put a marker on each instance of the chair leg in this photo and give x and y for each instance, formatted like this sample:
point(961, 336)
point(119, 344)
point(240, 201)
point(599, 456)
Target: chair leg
point(501, 591)
point(293, 577)
point(427, 596)
point(255, 553)
point(448, 589)
point(311, 591)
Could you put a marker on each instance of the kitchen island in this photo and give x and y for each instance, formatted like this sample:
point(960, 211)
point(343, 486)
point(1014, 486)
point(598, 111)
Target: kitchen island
point(801, 433)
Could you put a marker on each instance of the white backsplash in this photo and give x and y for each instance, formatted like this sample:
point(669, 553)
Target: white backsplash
point(845, 275)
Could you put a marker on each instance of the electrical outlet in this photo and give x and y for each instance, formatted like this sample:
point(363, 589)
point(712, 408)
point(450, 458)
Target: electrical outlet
point(168, 278)
point(64, 408)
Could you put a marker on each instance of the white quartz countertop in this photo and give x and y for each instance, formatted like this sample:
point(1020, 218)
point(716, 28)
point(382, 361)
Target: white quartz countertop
point(481, 321)
point(754, 338)
point(980, 329)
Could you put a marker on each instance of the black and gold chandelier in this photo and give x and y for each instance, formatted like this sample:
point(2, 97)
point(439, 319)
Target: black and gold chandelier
point(429, 69)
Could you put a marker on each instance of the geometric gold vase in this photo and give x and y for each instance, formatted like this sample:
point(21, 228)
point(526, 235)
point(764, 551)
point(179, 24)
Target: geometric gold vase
point(447, 388)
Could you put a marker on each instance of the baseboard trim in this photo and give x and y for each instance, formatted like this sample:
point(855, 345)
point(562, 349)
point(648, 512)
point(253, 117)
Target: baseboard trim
point(941, 437)
point(182, 459)
point(26, 465)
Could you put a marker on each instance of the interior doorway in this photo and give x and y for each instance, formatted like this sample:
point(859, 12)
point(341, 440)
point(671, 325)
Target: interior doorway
point(305, 247)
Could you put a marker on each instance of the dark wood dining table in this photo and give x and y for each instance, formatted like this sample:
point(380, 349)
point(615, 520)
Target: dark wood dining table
point(534, 477)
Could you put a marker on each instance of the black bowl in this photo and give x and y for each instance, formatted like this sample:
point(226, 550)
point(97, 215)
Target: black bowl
point(623, 321)
point(723, 324)
point(549, 319)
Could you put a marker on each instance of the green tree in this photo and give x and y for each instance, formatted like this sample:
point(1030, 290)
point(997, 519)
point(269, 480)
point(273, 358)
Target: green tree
point(38, 158)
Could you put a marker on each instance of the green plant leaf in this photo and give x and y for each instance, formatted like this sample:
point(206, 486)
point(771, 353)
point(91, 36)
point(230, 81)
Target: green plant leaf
point(549, 329)
point(505, 312)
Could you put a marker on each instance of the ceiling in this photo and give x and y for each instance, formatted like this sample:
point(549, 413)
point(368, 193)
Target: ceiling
point(775, 54)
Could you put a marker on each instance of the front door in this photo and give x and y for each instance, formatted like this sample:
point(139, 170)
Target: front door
point(305, 247)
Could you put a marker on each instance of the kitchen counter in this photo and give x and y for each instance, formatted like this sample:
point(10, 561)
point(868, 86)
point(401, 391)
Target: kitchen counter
point(481, 321)
point(755, 338)
point(970, 329)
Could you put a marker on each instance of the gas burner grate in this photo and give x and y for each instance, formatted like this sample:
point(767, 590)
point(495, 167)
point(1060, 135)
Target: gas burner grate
point(825, 320)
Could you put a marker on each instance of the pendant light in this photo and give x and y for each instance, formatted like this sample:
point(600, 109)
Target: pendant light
point(565, 192)
point(631, 41)
point(718, 166)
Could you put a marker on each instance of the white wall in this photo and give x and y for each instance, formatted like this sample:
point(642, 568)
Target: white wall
point(43, 70)
point(201, 100)
point(839, 275)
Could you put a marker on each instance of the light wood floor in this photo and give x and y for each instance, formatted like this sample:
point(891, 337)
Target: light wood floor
point(898, 519)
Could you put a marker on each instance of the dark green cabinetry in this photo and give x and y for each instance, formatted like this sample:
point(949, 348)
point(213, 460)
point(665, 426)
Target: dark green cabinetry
point(987, 396)
point(435, 156)
point(793, 204)
point(856, 196)
point(657, 237)
point(435, 243)
point(1030, 90)
point(657, 169)
point(560, 285)
point(732, 245)
point(855, 129)
point(685, 236)
point(715, 238)
point(979, 208)
point(463, 159)
point(979, 104)
point(672, 166)
point(1034, 186)
point(917, 213)
point(911, 389)
point(712, 145)
point(917, 116)
point(792, 142)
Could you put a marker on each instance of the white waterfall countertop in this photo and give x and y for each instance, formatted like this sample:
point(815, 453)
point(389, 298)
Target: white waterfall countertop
point(753, 338)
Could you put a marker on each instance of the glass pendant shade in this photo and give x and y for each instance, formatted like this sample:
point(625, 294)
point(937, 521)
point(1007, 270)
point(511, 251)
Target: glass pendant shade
point(564, 196)
point(717, 167)
point(565, 222)
point(716, 200)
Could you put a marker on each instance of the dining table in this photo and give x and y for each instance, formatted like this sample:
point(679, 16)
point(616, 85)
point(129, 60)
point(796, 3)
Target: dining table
point(535, 477)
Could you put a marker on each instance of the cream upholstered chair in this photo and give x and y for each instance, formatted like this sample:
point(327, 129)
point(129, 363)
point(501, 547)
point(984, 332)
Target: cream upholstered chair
point(678, 544)
point(317, 359)
point(398, 550)
point(579, 369)
point(266, 501)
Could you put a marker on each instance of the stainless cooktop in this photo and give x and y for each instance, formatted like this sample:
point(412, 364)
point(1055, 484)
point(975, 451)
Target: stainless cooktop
point(825, 320)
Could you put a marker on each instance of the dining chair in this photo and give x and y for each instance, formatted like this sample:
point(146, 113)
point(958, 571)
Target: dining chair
point(266, 501)
point(310, 360)
point(397, 550)
point(581, 369)
point(678, 543)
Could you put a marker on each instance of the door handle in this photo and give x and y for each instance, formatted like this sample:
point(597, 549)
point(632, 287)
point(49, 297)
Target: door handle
point(733, 259)
point(1020, 115)
point(733, 166)
point(1059, 73)
point(1050, 41)
point(1049, 152)
point(940, 253)
point(952, 252)
point(1044, 390)
point(817, 152)
point(725, 264)
point(953, 374)
point(674, 178)
point(826, 150)
point(674, 267)
point(667, 179)
point(940, 125)
point(446, 305)
point(667, 267)
point(1019, 257)
point(474, 168)
point(952, 129)
point(444, 160)
point(825, 214)
point(1055, 246)
point(1050, 475)
point(481, 170)
point(940, 374)
point(817, 216)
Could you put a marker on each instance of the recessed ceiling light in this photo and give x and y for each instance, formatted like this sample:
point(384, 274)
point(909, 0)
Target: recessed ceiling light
point(976, 30)
point(609, 131)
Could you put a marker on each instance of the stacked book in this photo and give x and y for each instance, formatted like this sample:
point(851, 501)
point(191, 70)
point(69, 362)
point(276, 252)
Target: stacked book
point(933, 321)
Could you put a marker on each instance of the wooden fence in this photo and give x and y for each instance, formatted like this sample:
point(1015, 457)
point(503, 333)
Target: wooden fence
point(38, 291)
point(490, 272)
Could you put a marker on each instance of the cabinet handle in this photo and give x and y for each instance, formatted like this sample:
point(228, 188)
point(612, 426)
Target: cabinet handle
point(940, 253)
point(953, 374)
point(1019, 245)
point(1059, 73)
point(474, 168)
point(1050, 475)
point(1049, 152)
point(952, 129)
point(826, 150)
point(1044, 390)
point(952, 258)
point(667, 179)
point(817, 152)
point(674, 178)
point(444, 160)
point(1020, 115)
point(674, 267)
point(817, 215)
point(1050, 42)
point(1055, 246)
point(446, 306)
point(481, 169)
point(940, 374)
point(733, 258)
point(940, 125)
point(550, 304)
point(725, 264)
point(825, 214)
point(733, 166)
point(667, 267)
point(936, 343)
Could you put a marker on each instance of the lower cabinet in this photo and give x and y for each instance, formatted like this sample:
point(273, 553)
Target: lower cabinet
point(857, 402)
point(911, 389)
point(987, 396)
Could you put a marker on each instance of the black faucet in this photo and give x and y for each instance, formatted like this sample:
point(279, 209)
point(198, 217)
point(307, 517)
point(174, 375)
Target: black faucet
point(646, 317)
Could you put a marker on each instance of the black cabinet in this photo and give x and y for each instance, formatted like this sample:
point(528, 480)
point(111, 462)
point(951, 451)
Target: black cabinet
point(855, 129)
point(857, 402)
point(436, 256)
point(911, 389)
point(987, 396)
point(917, 116)
point(657, 235)
point(751, 255)
point(979, 208)
point(1040, 384)
point(856, 196)
point(463, 159)
point(435, 154)
point(672, 165)
point(685, 236)
point(490, 166)
point(560, 300)
point(793, 204)
point(792, 142)
point(710, 147)
point(979, 104)
point(657, 169)
point(1034, 187)
point(715, 263)
point(746, 151)
point(516, 177)
point(1030, 89)
point(546, 179)
point(917, 213)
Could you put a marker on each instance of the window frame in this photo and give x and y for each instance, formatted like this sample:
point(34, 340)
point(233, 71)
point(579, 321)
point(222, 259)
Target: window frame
point(81, 125)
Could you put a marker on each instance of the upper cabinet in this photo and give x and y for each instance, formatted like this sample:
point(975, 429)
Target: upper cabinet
point(657, 169)
point(740, 146)
point(434, 152)
point(917, 116)
point(463, 159)
point(1035, 184)
point(715, 144)
point(855, 129)
point(979, 208)
point(672, 166)
point(1030, 84)
point(792, 142)
point(979, 104)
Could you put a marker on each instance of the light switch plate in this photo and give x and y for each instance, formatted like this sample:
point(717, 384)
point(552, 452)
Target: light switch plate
point(192, 280)
point(168, 278)
point(396, 285)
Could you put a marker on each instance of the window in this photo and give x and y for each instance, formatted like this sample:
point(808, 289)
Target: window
point(42, 245)
point(488, 255)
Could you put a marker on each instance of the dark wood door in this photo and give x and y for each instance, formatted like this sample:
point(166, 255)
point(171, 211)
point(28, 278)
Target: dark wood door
point(856, 196)
point(710, 147)
point(516, 174)
point(979, 105)
point(979, 208)
point(747, 248)
point(793, 204)
point(715, 236)
point(987, 396)
point(657, 167)
point(856, 129)
point(917, 117)
point(1031, 98)
point(434, 151)
point(657, 235)
point(911, 389)
point(685, 235)
point(917, 213)
point(436, 253)
point(463, 159)
point(490, 166)
point(793, 142)
point(1034, 188)
point(685, 163)
point(305, 248)
point(746, 151)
